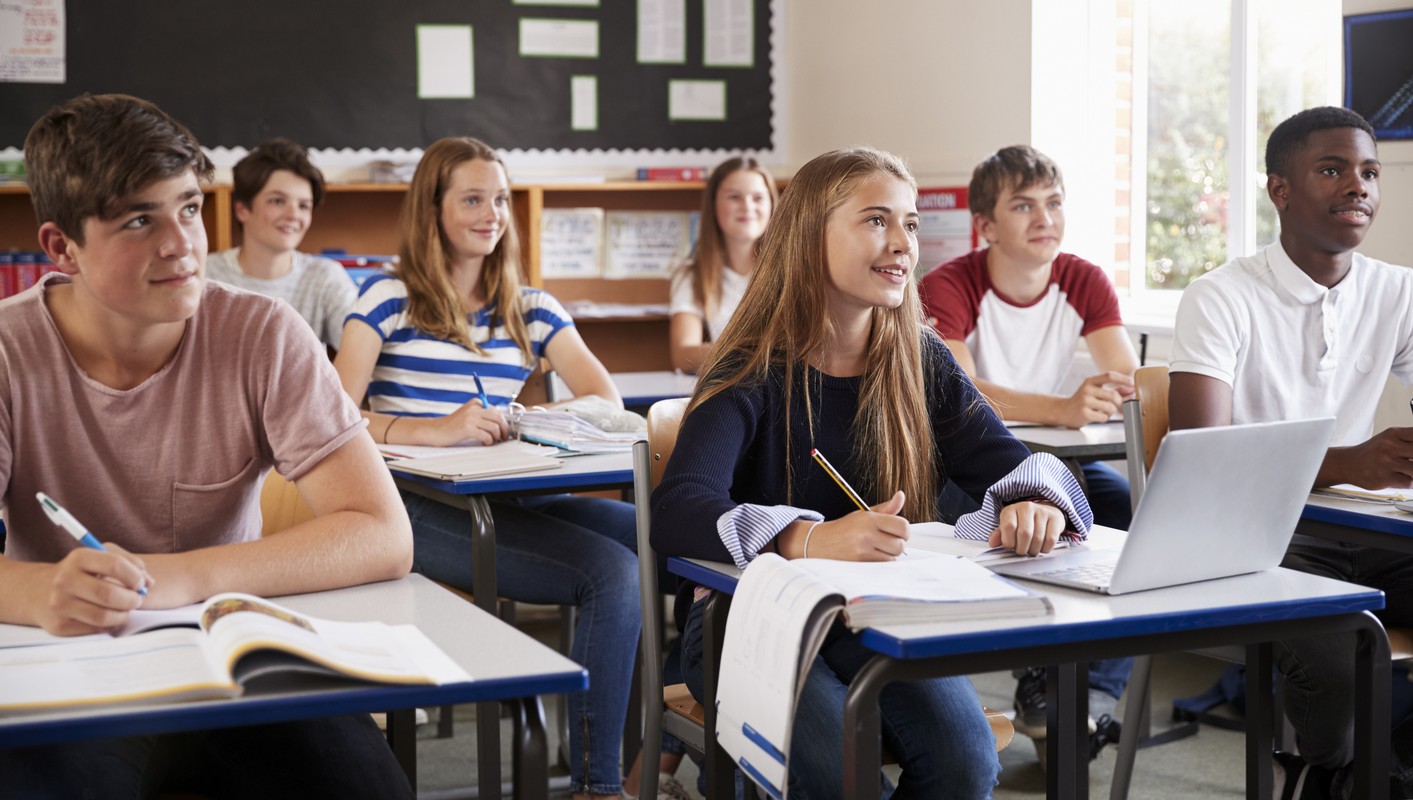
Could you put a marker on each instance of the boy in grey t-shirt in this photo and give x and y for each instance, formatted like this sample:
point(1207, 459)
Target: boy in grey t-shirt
point(152, 404)
point(276, 190)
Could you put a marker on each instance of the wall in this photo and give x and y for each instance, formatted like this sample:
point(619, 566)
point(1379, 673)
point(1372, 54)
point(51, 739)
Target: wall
point(939, 82)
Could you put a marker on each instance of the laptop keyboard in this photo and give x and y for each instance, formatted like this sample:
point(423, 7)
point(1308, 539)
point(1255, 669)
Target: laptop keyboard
point(1098, 573)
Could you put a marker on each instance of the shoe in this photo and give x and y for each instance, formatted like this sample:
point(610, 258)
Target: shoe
point(1293, 778)
point(1102, 731)
point(381, 719)
point(668, 788)
point(1030, 704)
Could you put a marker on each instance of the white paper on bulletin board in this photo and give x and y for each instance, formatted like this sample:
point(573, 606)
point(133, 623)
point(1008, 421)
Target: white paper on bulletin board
point(645, 244)
point(571, 242)
point(944, 227)
point(32, 42)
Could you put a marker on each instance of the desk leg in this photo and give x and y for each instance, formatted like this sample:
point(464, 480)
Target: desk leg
point(1067, 725)
point(483, 554)
point(1372, 722)
point(530, 752)
point(863, 728)
point(1260, 709)
point(720, 777)
point(402, 737)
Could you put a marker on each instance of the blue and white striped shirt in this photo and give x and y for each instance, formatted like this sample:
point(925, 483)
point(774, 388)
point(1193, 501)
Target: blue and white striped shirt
point(422, 376)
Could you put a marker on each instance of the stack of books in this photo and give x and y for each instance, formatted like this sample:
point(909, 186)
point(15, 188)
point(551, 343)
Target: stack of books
point(570, 432)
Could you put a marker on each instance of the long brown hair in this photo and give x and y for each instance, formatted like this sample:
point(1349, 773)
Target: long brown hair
point(705, 263)
point(783, 322)
point(433, 304)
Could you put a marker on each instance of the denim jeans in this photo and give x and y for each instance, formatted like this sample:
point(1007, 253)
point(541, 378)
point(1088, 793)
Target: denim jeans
point(936, 727)
point(559, 550)
point(337, 757)
point(1319, 672)
point(1108, 495)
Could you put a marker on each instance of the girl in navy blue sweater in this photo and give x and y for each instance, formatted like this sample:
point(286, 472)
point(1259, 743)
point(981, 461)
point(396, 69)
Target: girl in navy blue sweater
point(827, 351)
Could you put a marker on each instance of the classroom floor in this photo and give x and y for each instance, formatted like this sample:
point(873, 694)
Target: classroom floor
point(1208, 765)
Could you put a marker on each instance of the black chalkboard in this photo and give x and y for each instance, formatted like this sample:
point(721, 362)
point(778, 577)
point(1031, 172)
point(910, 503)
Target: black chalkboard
point(343, 73)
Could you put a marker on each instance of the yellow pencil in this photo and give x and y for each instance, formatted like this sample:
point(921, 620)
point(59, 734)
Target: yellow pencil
point(839, 479)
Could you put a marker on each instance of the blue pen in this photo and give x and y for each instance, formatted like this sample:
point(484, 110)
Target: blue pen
point(65, 520)
point(485, 401)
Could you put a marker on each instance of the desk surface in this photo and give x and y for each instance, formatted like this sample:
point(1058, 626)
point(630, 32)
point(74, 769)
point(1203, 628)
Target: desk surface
point(503, 663)
point(642, 389)
point(1096, 440)
point(1085, 616)
point(579, 473)
point(1371, 516)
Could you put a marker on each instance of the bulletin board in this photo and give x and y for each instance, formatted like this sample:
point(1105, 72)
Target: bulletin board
point(336, 74)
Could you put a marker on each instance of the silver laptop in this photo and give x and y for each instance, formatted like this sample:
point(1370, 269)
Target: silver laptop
point(1219, 502)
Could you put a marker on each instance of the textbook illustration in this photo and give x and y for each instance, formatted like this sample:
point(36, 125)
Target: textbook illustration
point(782, 610)
point(237, 639)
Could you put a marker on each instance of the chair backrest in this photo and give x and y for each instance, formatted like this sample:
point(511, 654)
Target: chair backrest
point(281, 506)
point(664, 419)
point(1145, 425)
point(649, 459)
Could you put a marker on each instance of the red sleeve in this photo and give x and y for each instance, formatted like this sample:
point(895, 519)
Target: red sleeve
point(951, 295)
point(1089, 291)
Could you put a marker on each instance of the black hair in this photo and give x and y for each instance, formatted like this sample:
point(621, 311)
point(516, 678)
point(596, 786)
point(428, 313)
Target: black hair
point(1292, 134)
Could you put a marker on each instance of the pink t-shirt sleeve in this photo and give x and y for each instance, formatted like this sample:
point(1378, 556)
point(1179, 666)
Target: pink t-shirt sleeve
point(305, 411)
point(951, 295)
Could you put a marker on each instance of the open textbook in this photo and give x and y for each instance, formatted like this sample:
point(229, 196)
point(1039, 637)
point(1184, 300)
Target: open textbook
point(236, 639)
point(782, 610)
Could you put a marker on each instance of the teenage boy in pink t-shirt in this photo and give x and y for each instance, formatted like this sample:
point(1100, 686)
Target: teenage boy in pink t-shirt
point(151, 404)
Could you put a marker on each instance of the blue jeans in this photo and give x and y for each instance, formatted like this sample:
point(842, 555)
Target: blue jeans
point(935, 727)
point(337, 757)
point(558, 550)
point(1108, 495)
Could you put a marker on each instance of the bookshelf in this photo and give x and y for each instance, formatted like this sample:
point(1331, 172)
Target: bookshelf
point(362, 218)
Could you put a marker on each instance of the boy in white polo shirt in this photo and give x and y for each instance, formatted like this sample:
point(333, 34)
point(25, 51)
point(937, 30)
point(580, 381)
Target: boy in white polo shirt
point(1307, 327)
point(1012, 315)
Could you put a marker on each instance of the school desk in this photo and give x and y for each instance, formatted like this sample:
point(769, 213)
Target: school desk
point(579, 474)
point(1251, 610)
point(1095, 441)
point(1358, 522)
point(641, 389)
point(505, 666)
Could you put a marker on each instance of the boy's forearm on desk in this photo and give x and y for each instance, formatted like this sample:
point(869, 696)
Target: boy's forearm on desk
point(343, 548)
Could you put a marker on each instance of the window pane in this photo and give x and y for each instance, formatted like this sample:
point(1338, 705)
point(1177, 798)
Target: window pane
point(1188, 86)
point(1292, 54)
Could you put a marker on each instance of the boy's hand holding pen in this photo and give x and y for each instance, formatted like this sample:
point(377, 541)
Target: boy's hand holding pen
point(92, 588)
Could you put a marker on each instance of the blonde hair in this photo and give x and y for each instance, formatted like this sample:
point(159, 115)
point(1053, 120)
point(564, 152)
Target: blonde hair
point(783, 322)
point(433, 304)
point(705, 263)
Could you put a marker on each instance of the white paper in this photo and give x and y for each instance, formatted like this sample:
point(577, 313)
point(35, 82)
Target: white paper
point(32, 42)
point(559, 38)
point(571, 242)
point(662, 31)
point(696, 100)
point(761, 660)
point(730, 28)
point(645, 244)
point(584, 102)
point(445, 67)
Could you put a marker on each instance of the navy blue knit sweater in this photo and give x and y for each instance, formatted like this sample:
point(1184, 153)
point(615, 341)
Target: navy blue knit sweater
point(731, 450)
